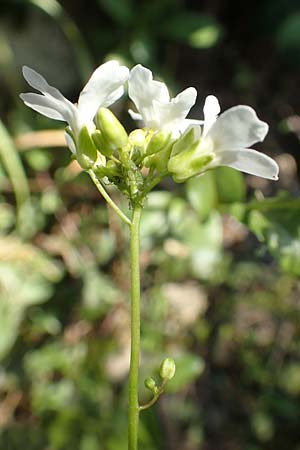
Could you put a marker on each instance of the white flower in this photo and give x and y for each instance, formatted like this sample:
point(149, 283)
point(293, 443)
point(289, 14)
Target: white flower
point(225, 141)
point(104, 87)
point(154, 105)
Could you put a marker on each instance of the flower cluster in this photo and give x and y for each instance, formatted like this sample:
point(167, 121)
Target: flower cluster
point(167, 144)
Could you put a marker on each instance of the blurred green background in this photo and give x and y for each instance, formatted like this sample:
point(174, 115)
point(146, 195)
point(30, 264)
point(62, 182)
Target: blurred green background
point(220, 254)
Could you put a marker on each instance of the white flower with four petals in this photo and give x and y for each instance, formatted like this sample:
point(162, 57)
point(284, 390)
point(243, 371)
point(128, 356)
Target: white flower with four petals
point(225, 141)
point(155, 108)
point(105, 86)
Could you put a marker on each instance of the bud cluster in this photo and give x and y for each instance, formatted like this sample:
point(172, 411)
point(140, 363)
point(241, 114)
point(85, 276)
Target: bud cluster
point(134, 163)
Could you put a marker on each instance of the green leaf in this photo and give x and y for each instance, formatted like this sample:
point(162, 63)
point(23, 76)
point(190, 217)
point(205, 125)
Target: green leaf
point(197, 30)
point(202, 194)
point(121, 11)
point(276, 223)
point(288, 34)
point(231, 185)
point(205, 36)
point(13, 166)
point(20, 288)
point(263, 426)
point(289, 379)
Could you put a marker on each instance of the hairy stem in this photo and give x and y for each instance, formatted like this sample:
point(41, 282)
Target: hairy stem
point(133, 411)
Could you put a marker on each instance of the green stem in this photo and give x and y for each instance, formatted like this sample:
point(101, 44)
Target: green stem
point(154, 398)
point(133, 411)
point(154, 182)
point(107, 198)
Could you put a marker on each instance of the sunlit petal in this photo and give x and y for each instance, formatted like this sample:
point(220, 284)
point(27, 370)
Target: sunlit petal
point(105, 86)
point(43, 105)
point(143, 90)
point(38, 82)
point(250, 161)
point(173, 113)
point(134, 115)
point(70, 143)
point(211, 110)
point(238, 127)
point(57, 101)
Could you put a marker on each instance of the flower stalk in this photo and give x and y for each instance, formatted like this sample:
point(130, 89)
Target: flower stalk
point(169, 144)
point(105, 195)
point(133, 407)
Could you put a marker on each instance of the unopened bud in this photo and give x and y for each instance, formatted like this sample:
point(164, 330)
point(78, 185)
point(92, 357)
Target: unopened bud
point(112, 167)
point(167, 369)
point(158, 141)
point(101, 143)
point(150, 384)
point(111, 128)
point(137, 138)
point(86, 152)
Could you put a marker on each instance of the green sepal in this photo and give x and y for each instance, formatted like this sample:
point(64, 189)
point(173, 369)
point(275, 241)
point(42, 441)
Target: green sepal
point(86, 152)
point(109, 170)
point(185, 141)
point(111, 128)
point(158, 141)
point(159, 161)
point(188, 164)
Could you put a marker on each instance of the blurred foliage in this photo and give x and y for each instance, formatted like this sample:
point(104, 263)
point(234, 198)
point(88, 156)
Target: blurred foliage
point(220, 260)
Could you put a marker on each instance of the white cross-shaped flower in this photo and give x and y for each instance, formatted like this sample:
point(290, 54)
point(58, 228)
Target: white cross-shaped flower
point(155, 108)
point(225, 141)
point(105, 86)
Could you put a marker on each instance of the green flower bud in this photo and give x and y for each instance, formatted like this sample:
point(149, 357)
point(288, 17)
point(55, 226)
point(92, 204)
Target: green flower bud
point(158, 141)
point(167, 369)
point(113, 131)
point(112, 167)
point(86, 152)
point(137, 138)
point(101, 143)
point(150, 384)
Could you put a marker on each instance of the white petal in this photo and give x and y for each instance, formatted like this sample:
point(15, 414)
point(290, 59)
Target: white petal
point(211, 110)
point(143, 90)
point(41, 104)
point(238, 127)
point(250, 161)
point(104, 87)
point(134, 115)
point(173, 113)
point(186, 124)
point(70, 143)
point(58, 102)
